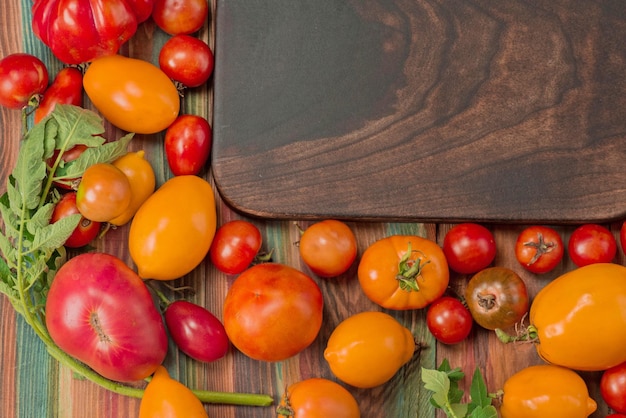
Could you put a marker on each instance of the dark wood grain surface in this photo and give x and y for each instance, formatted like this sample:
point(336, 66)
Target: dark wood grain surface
point(420, 110)
point(33, 385)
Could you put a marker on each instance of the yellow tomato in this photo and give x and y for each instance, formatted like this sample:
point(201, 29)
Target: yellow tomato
point(132, 94)
point(166, 397)
point(367, 349)
point(142, 183)
point(172, 231)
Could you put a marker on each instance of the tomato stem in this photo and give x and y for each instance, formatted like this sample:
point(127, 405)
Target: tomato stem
point(409, 270)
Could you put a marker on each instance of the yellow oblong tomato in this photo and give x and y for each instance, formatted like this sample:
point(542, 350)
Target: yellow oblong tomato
point(132, 94)
point(142, 180)
point(172, 231)
point(403, 272)
point(165, 397)
point(580, 318)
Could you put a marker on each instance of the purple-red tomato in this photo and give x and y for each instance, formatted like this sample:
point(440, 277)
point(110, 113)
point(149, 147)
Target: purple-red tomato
point(86, 230)
point(188, 144)
point(469, 248)
point(67, 88)
point(592, 243)
point(186, 59)
point(613, 387)
point(22, 76)
point(235, 246)
point(196, 331)
point(449, 320)
point(100, 312)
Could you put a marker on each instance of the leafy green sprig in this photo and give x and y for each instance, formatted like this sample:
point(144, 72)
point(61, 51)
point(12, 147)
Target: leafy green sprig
point(31, 247)
point(448, 396)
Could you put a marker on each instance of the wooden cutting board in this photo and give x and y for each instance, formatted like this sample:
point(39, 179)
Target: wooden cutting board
point(505, 111)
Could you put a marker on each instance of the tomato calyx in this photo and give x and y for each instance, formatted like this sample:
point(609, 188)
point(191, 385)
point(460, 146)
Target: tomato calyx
point(409, 270)
point(541, 247)
point(285, 409)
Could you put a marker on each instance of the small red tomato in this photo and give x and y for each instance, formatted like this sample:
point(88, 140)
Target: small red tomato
point(188, 144)
point(328, 248)
point(235, 246)
point(85, 232)
point(591, 243)
point(180, 16)
point(469, 248)
point(616, 416)
point(622, 237)
point(67, 88)
point(196, 331)
point(539, 249)
point(22, 76)
point(449, 320)
point(613, 387)
point(141, 8)
point(186, 59)
point(67, 157)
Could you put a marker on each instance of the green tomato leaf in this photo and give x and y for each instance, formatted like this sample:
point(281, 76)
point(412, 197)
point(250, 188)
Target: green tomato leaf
point(52, 236)
point(9, 218)
point(29, 171)
point(437, 382)
point(41, 218)
point(484, 412)
point(479, 396)
point(459, 409)
point(76, 126)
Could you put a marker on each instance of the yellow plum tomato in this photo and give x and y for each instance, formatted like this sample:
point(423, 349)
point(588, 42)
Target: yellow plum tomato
point(172, 231)
point(103, 193)
point(317, 397)
point(100, 312)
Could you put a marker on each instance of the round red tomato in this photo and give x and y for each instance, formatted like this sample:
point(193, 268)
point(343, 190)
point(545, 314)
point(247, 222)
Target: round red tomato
point(100, 312)
point(497, 298)
point(23, 76)
point(188, 144)
point(180, 16)
point(328, 248)
point(469, 248)
point(85, 232)
point(186, 59)
point(235, 246)
point(67, 88)
point(196, 331)
point(317, 398)
point(539, 249)
point(403, 272)
point(592, 243)
point(613, 387)
point(272, 312)
point(449, 320)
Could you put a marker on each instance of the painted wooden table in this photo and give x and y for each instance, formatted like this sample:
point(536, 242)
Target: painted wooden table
point(33, 385)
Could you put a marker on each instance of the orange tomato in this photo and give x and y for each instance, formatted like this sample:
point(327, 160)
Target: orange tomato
point(103, 192)
point(328, 248)
point(132, 94)
point(317, 398)
point(166, 397)
point(403, 272)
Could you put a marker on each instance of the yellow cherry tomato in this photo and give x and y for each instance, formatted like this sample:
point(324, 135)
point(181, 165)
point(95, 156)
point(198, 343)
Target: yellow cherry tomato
point(132, 94)
point(546, 391)
point(367, 349)
point(172, 231)
point(165, 397)
point(142, 183)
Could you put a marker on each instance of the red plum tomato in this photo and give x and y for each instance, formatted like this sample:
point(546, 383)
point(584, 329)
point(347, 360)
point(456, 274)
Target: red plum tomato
point(100, 312)
point(188, 144)
point(449, 320)
point(22, 76)
point(86, 230)
point(187, 60)
point(591, 243)
point(497, 297)
point(328, 248)
point(180, 16)
point(196, 331)
point(539, 249)
point(272, 312)
point(469, 248)
point(235, 246)
point(613, 387)
point(67, 88)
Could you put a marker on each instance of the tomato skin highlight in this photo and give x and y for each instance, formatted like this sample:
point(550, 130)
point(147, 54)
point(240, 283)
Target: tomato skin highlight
point(133, 94)
point(188, 144)
point(272, 312)
point(380, 265)
point(22, 76)
point(469, 248)
point(67, 88)
point(317, 398)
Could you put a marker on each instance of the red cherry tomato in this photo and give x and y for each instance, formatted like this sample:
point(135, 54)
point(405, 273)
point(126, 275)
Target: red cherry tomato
point(622, 237)
point(613, 387)
point(196, 331)
point(22, 77)
point(67, 88)
point(142, 9)
point(449, 320)
point(188, 144)
point(328, 248)
point(592, 243)
point(469, 248)
point(235, 246)
point(85, 232)
point(186, 59)
point(539, 249)
point(180, 16)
